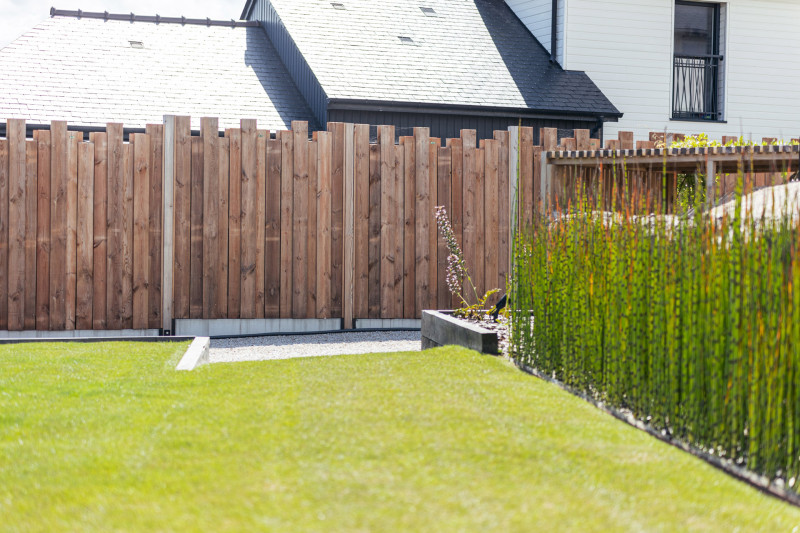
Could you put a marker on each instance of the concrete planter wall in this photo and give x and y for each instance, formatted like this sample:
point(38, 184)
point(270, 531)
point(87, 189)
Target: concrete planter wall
point(440, 328)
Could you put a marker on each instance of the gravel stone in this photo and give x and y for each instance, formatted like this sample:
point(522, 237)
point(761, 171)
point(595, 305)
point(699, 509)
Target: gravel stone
point(291, 346)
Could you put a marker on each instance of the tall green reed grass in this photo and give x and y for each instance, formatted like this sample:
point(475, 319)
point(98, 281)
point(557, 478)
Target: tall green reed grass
point(691, 323)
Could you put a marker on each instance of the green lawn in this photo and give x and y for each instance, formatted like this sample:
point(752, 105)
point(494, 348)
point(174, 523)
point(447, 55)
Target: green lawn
point(110, 437)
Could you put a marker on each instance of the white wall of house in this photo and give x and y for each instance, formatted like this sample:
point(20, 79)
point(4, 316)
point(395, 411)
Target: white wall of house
point(626, 47)
point(535, 14)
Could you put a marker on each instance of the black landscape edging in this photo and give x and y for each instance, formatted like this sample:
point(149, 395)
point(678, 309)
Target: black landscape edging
point(761, 483)
point(440, 328)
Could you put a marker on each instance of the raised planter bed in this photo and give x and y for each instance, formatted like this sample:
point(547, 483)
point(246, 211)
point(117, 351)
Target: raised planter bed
point(441, 328)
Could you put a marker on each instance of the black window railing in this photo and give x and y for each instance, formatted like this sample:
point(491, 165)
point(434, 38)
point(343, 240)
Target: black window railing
point(695, 88)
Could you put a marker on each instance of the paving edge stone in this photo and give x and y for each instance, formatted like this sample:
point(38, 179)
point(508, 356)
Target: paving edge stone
point(196, 355)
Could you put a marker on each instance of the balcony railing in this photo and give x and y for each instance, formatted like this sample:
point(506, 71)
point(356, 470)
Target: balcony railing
point(695, 88)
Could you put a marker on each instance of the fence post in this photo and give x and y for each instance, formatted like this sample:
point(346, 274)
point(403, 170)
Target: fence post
point(513, 185)
point(349, 227)
point(168, 223)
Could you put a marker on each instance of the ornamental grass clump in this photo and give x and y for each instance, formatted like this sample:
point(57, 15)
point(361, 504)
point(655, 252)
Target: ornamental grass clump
point(691, 323)
point(457, 277)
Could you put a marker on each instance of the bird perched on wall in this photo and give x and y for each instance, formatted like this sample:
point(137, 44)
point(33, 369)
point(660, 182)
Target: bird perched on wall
point(495, 312)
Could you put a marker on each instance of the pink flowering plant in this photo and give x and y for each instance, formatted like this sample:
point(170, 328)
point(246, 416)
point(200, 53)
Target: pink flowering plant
point(457, 271)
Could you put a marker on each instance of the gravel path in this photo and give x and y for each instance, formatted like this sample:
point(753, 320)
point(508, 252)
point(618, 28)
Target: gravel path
point(289, 346)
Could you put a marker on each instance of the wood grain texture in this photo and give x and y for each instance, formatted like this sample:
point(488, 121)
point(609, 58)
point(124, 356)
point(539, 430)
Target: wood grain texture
point(58, 221)
point(261, 220)
point(141, 229)
point(42, 137)
point(479, 272)
point(348, 217)
point(4, 233)
point(456, 211)
point(374, 244)
point(209, 128)
point(182, 197)
point(337, 217)
point(491, 218)
point(323, 274)
point(361, 177)
point(249, 218)
point(399, 237)
point(31, 221)
point(311, 244)
point(409, 187)
point(223, 261)
point(433, 185)
point(287, 218)
point(155, 224)
point(503, 211)
point(388, 219)
point(85, 236)
point(273, 230)
point(526, 174)
point(126, 309)
point(443, 198)
point(470, 208)
point(17, 210)
point(300, 220)
point(71, 293)
point(197, 220)
point(423, 205)
point(234, 136)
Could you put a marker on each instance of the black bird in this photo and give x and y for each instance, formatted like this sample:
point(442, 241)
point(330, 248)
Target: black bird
point(498, 307)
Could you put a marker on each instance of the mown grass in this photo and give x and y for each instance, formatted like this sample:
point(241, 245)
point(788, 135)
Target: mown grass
point(112, 438)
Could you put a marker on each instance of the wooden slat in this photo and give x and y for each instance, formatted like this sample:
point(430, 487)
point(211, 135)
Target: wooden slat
point(58, 221)
point(126, 310)
point(85, 283)
point(456, 196)
point(114, 199)
point(444, 181)
point(398, 290)
point(582, 139)
point(470, 216)
point(141, 226)
point(323, 274)
point(526, 164)
point(261, 220)
point(361, 176)
point(433, 240)
point(71, 293)
point(491, 219)
point(223, 261)
point(31, 204)
point(423, 205)
point(209, 128)
point(273, 230)
point(197, 219)
point(4, 233)
point(42, 230)
point(388, 219)
point(183, 208)
point(503, 211)
point(167, 251)
point(337, 216)
point(625, 140)
point(311, 245)
point(16, 224)
point(374, 244)
point(300, 220)
point(287, 218)
point(155, 224)
point(548, 138)
point(479, 272)
point(409, 186)
point(249, 218)
point(234, 136)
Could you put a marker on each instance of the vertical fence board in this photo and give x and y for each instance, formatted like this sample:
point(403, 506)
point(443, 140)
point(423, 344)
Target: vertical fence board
point(311, 244)
point(470, 216)
point(374, 244)
point(126, 311)
point(492, 255)
point(209, 128)
point(273, 230)
point(409, 189)
point(155, 224)
point(261, 221)
point(443, 198)
point(234, 221)
point(527, 175)
point(4, 185)
point(323, 277)
point(85, 283)
point(223, 261)
point(361, 177)
point(337, 217)
point(183, 210)
point(433, 195)
point(287, 208)
point(31, 204)
point(114, 194)
point(423, 205)
point(197, 220)
point(42, 229)
point(479, 275)
point(16, 224)
point(300, 219)
point(398, 290)
point(388, 214)
point(249, 218)
point(348, 228)
point(71, 293)
point(141, 227)
point(503, 228)
point(456, 198)
point(58, 221)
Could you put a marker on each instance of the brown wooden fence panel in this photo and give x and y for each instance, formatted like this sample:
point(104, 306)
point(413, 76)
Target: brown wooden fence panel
point(4, 189)
point(42, 231)
point(423, 205)
point(361, 180)
point(31, 202)
point(388, 214)
point(16, 225)
point(273, 230)
point(398, 289)
point(311, 244)
point(491, 219)
point(299, 250)
point(211, 235)
point(444, 198)
point(85, 237)
point(324, 179)
point(337, 216)
point(141, 230)
point(456, 197)
point(503, 210)
point(197, 222)
point(234, 137)
point(249, 218)
point(470, 215)
point(155, 133)
point(375, 206)
point(73, 139)
point(182, 199)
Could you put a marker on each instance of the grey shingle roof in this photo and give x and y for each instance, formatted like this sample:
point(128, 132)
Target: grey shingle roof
point(473, 52)
point(86, 71)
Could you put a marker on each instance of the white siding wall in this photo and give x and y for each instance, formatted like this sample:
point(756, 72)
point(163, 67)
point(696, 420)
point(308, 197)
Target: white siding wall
point(626, 48)
point(535, 14)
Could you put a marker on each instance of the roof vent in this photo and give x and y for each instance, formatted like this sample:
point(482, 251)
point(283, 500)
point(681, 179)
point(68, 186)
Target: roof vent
point(337, 5)
point(405, 40)
point(136, 44)
point(429, 11)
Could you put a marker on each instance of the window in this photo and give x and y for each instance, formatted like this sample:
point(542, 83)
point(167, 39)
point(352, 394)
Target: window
point(696, 85)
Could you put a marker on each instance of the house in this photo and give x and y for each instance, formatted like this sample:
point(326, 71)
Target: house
point(723, 68)
point(445, 64)
point(94, 68)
